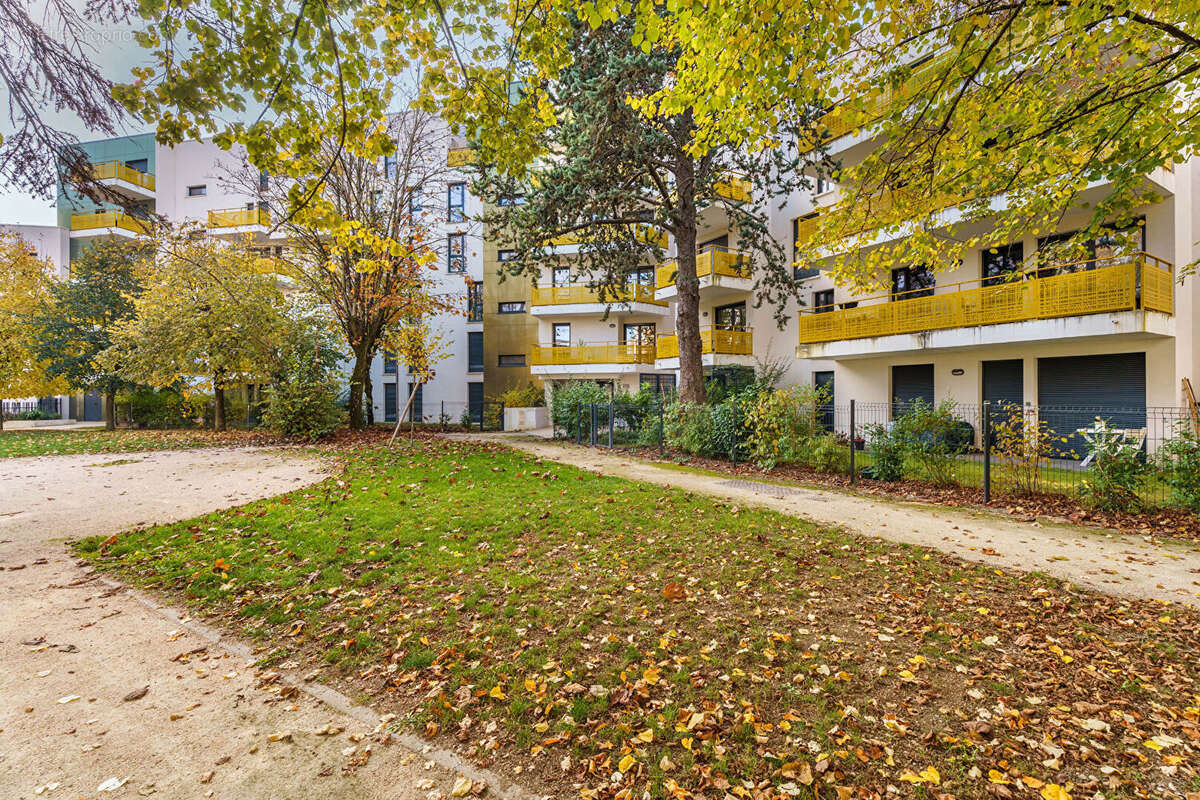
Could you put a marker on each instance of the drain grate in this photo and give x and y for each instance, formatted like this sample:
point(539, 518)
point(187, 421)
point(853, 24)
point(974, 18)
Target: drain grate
point(763, 488)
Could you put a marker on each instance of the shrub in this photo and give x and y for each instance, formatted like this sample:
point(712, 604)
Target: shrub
point(1117, 473)
point(887, 452)
point(164, 408)
point(1023, 445)
point(567, 399)
point(528, 396)
point(931, 437)
point(1179, 460)
point(302, 403)
point(780, 423)
point(32, 414)
point(465, 420)
point(688, 427)
point(827, 453)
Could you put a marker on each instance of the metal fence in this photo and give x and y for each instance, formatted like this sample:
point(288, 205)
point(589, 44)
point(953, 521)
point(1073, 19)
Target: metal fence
point(445, 414)
point(1000, 449)
point(51, 407)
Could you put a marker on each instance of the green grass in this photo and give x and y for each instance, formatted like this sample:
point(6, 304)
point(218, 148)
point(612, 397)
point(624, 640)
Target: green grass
point(25, 443)
point(557, 614)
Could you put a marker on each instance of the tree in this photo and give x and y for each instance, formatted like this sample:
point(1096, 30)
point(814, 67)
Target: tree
point(76, 324)
point(25, 287)
point(614, 179)
point(48, 64)
point(367, 242)
point(302, 397)
point(1007, 109)
point(209, 318)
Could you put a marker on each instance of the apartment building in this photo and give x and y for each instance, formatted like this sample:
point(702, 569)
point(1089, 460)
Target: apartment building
point(194, 182)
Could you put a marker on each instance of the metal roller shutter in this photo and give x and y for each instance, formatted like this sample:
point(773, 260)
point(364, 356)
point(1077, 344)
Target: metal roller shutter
point(1004, 382)
point(1074, 390)
point(910, 382)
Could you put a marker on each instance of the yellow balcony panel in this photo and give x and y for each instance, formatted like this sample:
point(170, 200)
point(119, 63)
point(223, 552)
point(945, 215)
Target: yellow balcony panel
point(574, 294)
point(734, 187)
point(713, 261)
point(460, 157)
point(103, 222)
point(239, 218)
point(606, 353)
point(643, 233)
point(713, 341)
point(118, 171)
point(1140, 281)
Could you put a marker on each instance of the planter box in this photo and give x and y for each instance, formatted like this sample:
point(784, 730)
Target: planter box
point(526, 419)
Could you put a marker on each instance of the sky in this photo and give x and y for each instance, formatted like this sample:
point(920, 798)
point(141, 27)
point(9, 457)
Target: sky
point(115, 51)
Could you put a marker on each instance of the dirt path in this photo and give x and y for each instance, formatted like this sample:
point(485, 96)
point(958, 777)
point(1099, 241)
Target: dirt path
point(1107, 561)
point(72, 648)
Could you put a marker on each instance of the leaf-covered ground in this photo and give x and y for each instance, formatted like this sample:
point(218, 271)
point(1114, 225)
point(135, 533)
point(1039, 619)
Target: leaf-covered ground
point(25, 442)
point(600, 638)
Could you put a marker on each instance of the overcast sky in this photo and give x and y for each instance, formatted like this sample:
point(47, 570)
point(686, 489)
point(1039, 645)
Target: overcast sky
point(116, 52)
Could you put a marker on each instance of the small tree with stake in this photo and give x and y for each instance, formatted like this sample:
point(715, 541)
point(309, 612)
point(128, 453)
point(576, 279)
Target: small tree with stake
point(614, 179)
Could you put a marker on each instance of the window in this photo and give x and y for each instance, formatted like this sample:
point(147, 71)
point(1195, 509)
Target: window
point(641, 333)
point(389, 402)
point(511, 200)
point(456, 202)
point(512, 307)
point(642, 277)
point(823, 301)
point(561, 276)
point(716, 243)
point(197, 191)
point(561, 333)
point(659, 384)
point(731, 317)
point(517, 360)
point(475, 351)
point(456, 253)
point(1113, 246)
point(416, 412)
point(475, 401)
point(264, 181)
point(474, 302)
point(140, 164)
point(414, 203)
point(912, 282)
point(389, 167)
point(824, 185)
point(506, 255)
point(389, 364)
point(999, 264)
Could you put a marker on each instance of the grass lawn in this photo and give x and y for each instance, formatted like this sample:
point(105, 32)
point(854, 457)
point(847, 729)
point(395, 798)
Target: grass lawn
point(616, 639)
point(22, 443)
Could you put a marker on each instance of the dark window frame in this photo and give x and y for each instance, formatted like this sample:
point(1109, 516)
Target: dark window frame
point(823, 301)
point(904, 279)
point(456, 262)
point(475, 351)
point(202, 187)
point(554, 338)
point(514, 359)
point(456, 208)
point(500, 307)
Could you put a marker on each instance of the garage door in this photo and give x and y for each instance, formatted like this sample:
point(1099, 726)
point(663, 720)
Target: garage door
point(1073, 391)
point(909, 383)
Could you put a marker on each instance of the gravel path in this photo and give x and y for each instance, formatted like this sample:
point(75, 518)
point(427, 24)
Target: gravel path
point(72, 649)
point(1106, 561)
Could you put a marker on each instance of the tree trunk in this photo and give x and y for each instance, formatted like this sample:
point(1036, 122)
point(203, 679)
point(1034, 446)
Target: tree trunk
point(110, 411)
point(358, 379)
point(218, 409)
point(369, 399)
point(687, 289)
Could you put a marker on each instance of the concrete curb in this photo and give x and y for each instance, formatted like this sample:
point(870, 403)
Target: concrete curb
point(497, 786)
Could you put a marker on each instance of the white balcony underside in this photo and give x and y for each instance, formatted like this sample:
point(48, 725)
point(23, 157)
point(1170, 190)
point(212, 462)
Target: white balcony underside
point(708, 360)
point(104, 233)
point(588, 370)
point(128, 189)
point(712, 287)
point(596, 309)
point(257, 232)
point(1127, 324)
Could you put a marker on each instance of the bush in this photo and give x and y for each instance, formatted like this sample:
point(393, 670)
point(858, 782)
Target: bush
point(1023, 444)
point(567, 399)
point(1179, 460)
point(1117, 473)
point(303, 401)
point(827, 453)
point(781, 422)
point(887, 452)
point(931, 436)
point(164, 408)
point(528, 396)
point(31, 415)
point(711, 430)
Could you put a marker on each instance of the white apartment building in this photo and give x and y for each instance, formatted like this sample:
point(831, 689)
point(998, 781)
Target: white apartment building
point(194, 182)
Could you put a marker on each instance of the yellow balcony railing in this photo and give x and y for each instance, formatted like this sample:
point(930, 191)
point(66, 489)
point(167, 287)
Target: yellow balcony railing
point(608, 353)
point(238, 217)
point(713, 261)
point(723, 341)
point(1089, 287)
point(460, 156)
point(881, 205)
point(734, 187)
point(109, 219)
point(581, 293)
point(115, 170)
point(643, 233)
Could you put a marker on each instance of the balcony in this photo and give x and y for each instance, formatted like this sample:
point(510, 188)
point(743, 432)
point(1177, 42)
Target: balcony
point(734, 187)
point(718, 268)
point(124, 179)
point(643, 233)
point(584, 299)
point(108, 224)
point(1140, 283)
point(239, 221)
point(590, 359)
point(460, 157)
point(718, 346)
